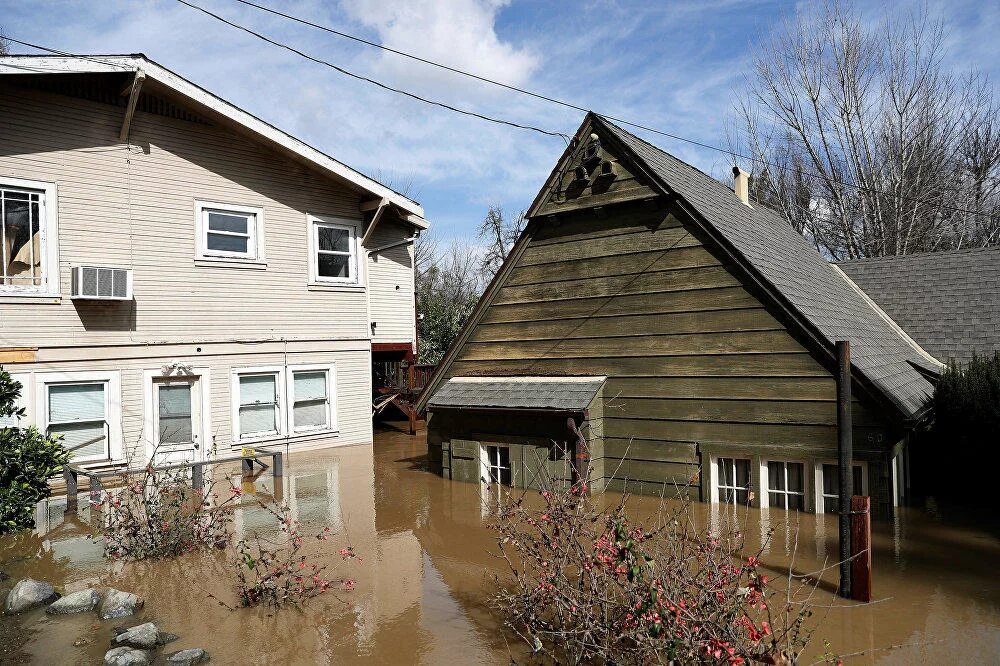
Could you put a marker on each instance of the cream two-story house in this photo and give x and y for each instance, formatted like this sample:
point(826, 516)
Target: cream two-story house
point(178, 277)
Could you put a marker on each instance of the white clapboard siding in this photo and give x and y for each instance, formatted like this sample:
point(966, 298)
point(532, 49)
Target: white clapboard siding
point(134, 207)
point(390, 283)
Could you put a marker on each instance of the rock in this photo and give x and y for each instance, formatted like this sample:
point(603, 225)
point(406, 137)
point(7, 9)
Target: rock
point(145, 636)
point(28, 594)
point(166, 637)
point(188, 657)
point(77, 602)
point(125, 656)
point(119, 604)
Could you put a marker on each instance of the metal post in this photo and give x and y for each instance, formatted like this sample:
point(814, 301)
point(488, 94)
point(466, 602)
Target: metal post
point(95, 489)
point(845, 461)
point(861, 551)
point(277, 466)
point(69, 474)
point(198, 476)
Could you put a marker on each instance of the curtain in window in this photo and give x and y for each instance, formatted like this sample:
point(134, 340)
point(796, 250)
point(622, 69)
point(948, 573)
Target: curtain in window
point(258, 404)
point(310, 408)
point(20, 238)
point(76, 411)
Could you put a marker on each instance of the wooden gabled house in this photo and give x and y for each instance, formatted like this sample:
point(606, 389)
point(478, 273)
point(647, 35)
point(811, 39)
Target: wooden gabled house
point(687, 333)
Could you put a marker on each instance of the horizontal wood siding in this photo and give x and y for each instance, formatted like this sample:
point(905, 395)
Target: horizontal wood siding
point(692, 357)
point(133, 207)
point(390, 285)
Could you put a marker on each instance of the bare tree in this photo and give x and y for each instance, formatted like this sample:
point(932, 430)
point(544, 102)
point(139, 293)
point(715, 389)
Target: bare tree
point(865, 142)
point(498, 232)
point(4, 44)
point(448, 285)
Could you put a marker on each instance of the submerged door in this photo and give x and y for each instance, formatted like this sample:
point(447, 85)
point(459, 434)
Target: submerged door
point(177, 422)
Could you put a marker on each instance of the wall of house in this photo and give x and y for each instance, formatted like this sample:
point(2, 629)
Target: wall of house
point(134, 207)
point(391, 285)
point(696, 364)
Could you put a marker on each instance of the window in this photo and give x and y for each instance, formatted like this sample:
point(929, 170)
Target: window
point(334, 252)
point(786, 485)
point(496, 465)
point(734, 480)
point(259, 405)
point(28, 258)
point(310, 400)
point(78, 412)
point(229, 232)
point(174, 413)
point(831, 486)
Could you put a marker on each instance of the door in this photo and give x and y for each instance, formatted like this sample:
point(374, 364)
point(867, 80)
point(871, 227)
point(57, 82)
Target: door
point(177, 421)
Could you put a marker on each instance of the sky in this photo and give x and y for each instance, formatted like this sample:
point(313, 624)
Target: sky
point(674, 65)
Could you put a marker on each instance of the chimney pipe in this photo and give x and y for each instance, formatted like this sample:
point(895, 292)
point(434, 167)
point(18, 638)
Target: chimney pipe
point(741, 184)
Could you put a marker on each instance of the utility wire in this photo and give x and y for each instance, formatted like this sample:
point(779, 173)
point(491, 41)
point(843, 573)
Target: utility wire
point(63, 53)
point(577, 107)
point(360, 77)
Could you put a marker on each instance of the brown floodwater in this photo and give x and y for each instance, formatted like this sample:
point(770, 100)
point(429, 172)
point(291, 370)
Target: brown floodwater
point(426, 566)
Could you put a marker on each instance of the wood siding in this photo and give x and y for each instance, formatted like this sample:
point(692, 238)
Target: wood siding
point(692, 357)
point(391, 285)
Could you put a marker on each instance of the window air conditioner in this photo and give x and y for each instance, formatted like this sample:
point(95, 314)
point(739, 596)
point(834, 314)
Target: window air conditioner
point(102, 283)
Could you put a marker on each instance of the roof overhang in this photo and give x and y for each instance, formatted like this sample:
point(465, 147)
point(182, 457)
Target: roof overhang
point(527, 393)
point(215, 108)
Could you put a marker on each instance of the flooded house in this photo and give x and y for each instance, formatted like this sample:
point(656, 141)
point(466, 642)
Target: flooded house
point(179, 276)
point(682, 336)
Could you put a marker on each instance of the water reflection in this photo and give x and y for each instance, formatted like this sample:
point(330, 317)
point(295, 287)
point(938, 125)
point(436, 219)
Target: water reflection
point(427, 571)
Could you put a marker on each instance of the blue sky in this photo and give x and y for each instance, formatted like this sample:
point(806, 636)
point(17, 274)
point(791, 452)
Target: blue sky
point(672, 65)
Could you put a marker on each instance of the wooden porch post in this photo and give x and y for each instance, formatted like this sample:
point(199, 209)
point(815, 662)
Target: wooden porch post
point(845, 462)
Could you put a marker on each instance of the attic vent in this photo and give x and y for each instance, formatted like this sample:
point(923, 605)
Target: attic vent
point(102, 283)
point(592, 153)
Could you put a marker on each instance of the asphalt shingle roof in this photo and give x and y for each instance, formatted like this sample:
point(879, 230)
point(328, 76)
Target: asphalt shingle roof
point(949, 302)
point(800, 274)
point(549, 393)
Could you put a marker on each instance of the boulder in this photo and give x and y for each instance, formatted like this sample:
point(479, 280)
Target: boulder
point(119, 604)
point(143, 636)
point(77, 602)
point(29, 594)
point(125, 656)
point(188, 657)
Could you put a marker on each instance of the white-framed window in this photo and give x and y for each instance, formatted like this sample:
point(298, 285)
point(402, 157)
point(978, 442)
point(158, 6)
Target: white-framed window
point(732, 480)
point(786, 484)
point(334, 250)
point(312, 391)
point(258, 403)
point(828, 484)
point(85, 408)
point(29, 258)
point(495, 465)
point(230, 232)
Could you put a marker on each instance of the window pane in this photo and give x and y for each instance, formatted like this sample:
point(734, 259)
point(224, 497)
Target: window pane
point(725, 471)
point(775, 476)
point(90, 437)
point(175, 414)
point(795, 478)
point(334, 265)
point(257, 419)
point(258, 389)
point(796, 502)
point(237, 224)
point(309, 385)
point(310, 414)
point(222, 243)
point(743, 473)
point(831, 480)
point(20, 250)
point(76, 402)
point(336, 240)
point(776, 500)
point(858, 481)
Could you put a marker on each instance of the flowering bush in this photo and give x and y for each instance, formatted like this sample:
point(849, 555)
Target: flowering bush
point(273, 572)
point(158, 513)
point(594, 586)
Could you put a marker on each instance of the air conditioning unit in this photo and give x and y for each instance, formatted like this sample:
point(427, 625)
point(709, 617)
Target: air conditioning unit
point(102, 283)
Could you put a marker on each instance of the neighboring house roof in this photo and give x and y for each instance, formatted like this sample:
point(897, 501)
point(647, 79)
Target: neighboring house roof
point(800, 275)
point(571, 394)
point(263, 131)
point(949, 301)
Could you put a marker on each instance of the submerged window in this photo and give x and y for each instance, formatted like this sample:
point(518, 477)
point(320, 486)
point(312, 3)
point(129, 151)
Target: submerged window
point(310, 400)
point(78, 412)
point(497, 465)
point(786, 485)
point(734, 480)
point(229, 232)
point(831, 486)
point(334, 252)
point(259, 410)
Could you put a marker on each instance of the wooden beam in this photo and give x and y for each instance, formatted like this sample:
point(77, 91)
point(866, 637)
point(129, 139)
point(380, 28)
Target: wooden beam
point(372, 204)
point(379, 211)
point(18, 354)
point(133, 100)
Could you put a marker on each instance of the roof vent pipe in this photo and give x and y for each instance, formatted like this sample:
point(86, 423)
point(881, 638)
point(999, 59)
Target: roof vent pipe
point(741, 184)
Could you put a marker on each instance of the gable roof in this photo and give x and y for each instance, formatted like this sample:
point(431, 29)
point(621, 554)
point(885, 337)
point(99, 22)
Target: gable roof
point(826, 305)
point(572, 394)
point(215, 107)
point(948, 301)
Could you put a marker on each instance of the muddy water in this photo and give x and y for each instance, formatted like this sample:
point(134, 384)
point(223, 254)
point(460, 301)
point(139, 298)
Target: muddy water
point(426, 572)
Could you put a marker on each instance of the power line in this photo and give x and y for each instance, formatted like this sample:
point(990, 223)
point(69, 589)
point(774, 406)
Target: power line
point(577, 107)
point(63, 53)
point(366, 79)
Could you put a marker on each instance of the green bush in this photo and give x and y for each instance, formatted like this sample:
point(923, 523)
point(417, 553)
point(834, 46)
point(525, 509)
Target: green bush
point(27, 460)
point(967, 403)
